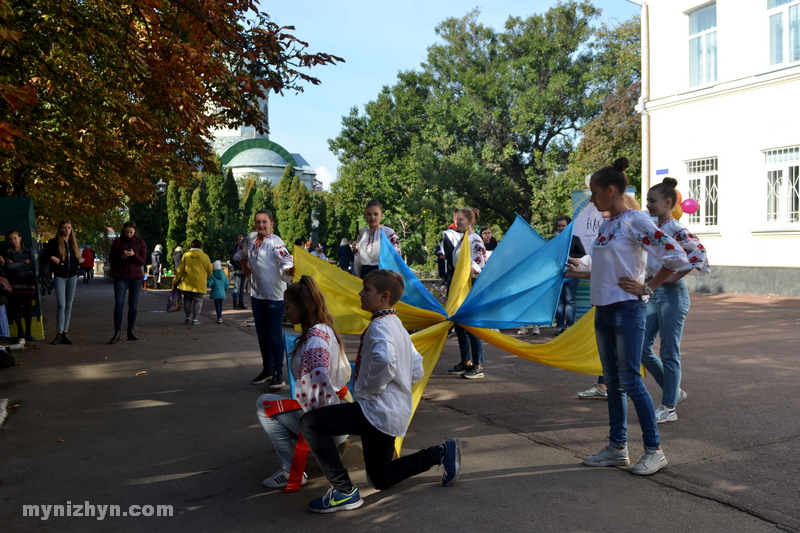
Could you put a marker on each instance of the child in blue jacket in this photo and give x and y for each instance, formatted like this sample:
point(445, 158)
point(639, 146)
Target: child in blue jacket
point(218, 283)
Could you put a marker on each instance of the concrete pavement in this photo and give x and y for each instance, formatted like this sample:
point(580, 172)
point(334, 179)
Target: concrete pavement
point(88, 429)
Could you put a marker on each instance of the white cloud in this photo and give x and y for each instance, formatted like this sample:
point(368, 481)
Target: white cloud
point(325, 175)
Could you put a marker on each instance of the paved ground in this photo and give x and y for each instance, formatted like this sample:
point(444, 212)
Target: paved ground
point(87, 429)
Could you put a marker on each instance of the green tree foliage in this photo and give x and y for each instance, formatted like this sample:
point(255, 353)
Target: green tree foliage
point(223, 215)
point(490, 121)
point(96, 96)
point(196, 220)
point(230, 202)
point(249, 188)
point(176, 218)
point(292, 207)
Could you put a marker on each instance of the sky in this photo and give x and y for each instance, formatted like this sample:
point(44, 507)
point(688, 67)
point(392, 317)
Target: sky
point(377, 39)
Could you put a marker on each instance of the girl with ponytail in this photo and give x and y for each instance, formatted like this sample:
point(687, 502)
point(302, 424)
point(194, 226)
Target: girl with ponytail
point(619, 293)
point(669, 304)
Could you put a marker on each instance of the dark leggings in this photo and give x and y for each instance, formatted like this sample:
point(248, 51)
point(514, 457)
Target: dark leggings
point(25, 301)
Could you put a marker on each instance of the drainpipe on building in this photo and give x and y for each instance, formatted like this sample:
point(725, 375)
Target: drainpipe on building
point(645, 96)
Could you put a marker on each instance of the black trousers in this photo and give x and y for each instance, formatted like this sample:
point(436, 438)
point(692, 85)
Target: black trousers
point(320, 425)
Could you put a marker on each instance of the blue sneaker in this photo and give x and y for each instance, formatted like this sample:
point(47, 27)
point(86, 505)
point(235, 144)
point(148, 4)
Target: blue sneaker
point(336, 501)
point(451, 462)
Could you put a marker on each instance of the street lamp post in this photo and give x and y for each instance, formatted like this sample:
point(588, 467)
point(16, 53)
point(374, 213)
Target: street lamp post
point(161, 188)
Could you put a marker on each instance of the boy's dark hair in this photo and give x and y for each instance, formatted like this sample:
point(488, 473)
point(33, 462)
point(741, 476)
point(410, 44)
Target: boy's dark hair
point(387, 281)
point(565, 218)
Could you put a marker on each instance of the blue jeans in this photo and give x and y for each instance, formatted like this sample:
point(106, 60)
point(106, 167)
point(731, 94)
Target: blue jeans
point(471, 347)
point(283, 429)
point(619, 330)
point(218, 308)
point(133, 287)
point(268, 318)
point(65, 293)
point(238, 287)
point(666, 314)
point(565, 312)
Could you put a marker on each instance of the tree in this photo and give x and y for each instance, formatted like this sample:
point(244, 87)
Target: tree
point(129, 89)
point(176, 218)
point(196, 221)
point(292, 207)
point(489, 122)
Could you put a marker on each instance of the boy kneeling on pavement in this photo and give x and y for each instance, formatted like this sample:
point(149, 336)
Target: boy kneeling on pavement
point(387, 365)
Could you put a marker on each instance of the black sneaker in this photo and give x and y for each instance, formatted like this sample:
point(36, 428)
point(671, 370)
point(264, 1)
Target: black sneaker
point(263, 377)
point(475, 372)
point(459, 369)
point(451, 461)
point(277, 381)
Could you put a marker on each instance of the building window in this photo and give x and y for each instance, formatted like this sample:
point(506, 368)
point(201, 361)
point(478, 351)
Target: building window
point(783, 185)
point(703, 46)
point(784, 31)
point(703, 187)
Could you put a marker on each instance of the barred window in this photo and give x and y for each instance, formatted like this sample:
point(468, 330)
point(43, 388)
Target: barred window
point(783, 185)
point(704, 187)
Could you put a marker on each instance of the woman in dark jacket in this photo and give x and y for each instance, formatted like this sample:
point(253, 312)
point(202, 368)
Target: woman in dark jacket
point(65, 257)
point(127, 257)
point(20, 267)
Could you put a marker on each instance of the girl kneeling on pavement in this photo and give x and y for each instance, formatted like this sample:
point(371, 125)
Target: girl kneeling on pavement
point(321, 371)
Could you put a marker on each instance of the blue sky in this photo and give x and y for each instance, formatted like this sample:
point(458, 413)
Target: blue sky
point(377, 39)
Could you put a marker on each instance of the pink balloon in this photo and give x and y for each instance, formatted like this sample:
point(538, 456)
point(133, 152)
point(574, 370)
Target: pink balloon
point(690, 206)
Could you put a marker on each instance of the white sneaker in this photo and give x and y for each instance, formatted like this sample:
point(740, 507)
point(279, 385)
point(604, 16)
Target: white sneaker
point(682, 395)
point(534, 330)
point(609, 456)
point(280, 479)
point(195, 322)
point(593, 394)
point(665, 415)
point(523, 330)
point(651, 462)
point(219, 321)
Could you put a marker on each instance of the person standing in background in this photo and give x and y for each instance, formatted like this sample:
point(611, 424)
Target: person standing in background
point(65, 257)
point(565, 312)
point(177, 254)
point(127, 257)
point(20, 269)
point(239, 278)
point(88, 263)
point(269, 264)
point(156, 260)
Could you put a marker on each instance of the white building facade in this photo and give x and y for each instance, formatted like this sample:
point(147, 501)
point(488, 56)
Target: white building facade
point(720, 89)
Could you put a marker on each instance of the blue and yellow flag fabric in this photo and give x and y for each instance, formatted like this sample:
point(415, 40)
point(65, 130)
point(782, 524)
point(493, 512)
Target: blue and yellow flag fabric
point(520, 285)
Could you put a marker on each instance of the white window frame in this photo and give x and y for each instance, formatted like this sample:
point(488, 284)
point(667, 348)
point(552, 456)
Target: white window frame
point(703, 179)
point(782, 167)
point(783, 18)
point(702, 50)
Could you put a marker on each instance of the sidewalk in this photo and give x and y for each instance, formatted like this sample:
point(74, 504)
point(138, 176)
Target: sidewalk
point(88, 429)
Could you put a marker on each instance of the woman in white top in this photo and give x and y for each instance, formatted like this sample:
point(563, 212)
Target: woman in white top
point(619, 293)
point(321, 372)
point(269, 264)
point(669, 305)
point(368, 244)
point(470, 346)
